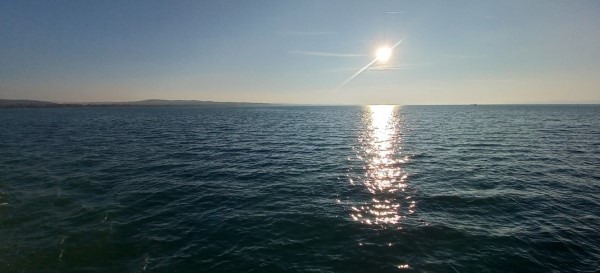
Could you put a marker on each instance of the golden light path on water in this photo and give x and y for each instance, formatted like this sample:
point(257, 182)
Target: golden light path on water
point(383, 176)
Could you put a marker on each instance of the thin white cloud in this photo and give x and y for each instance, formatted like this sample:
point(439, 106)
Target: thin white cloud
point(305, 33)
point(387, 68)
point(460, 56)
point(489, 16)
point(398, 67)
point(393, 12)
point(326, 54)
point(496, 80)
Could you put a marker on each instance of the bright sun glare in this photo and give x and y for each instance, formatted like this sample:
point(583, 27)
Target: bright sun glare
point(383, 54)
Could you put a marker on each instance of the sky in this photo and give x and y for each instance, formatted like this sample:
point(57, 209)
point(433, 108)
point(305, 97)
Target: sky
point(450, 52)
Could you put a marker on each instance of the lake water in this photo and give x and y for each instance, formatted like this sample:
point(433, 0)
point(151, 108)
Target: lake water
point(300, 189)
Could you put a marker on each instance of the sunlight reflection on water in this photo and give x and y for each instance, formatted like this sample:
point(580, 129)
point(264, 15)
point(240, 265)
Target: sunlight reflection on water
point(384, 178)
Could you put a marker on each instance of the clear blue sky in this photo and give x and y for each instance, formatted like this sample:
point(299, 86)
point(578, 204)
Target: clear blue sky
point(453, 52)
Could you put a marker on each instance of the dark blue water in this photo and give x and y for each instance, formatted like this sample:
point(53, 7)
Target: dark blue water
point(300, 189)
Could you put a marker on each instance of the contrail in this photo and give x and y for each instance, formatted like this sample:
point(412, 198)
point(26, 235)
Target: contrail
point(363, 69)
point(396, 44)
point(356, 74)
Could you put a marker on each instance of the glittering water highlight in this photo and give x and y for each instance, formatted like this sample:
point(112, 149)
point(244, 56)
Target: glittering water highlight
point(383, 177)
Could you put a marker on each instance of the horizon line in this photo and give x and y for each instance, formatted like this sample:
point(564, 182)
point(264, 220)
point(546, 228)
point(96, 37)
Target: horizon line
point(130, 103)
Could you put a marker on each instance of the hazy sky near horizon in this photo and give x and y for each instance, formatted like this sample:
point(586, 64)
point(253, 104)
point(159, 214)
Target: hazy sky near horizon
point(452, 52)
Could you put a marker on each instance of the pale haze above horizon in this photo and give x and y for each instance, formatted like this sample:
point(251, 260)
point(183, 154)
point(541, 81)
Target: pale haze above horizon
point(448, 52)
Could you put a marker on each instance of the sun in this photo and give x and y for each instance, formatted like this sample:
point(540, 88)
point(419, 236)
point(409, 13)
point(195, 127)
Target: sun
point(383, 54)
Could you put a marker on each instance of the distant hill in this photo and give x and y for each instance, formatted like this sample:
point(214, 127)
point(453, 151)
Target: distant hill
point(26, 103)
point(183, 102)
point(152, 102)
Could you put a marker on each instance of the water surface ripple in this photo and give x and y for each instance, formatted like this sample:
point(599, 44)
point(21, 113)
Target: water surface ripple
point(300, 189)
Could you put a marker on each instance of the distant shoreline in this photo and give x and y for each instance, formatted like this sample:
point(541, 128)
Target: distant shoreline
point(4, 103)
point(9, 103)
